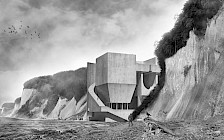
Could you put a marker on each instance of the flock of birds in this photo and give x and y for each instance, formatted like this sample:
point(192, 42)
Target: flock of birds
point(24, 29)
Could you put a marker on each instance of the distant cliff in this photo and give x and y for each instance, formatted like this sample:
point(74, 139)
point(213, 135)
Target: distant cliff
point(41, 95)
point(194, 86)
point(6, 109)
point(8, 105)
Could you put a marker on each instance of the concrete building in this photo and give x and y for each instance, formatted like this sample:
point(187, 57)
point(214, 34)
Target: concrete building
point(117, 84)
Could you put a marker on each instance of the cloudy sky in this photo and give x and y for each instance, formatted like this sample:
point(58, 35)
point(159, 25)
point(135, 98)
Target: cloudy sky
point(42, 37)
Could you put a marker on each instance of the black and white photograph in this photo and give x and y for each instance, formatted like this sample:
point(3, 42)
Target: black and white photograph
point(111, 69)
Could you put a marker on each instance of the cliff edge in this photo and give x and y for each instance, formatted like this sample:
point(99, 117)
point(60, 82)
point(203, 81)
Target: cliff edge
point(195, 77)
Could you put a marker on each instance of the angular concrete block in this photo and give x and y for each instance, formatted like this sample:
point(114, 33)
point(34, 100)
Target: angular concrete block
point(121, 93)
point(116, 68)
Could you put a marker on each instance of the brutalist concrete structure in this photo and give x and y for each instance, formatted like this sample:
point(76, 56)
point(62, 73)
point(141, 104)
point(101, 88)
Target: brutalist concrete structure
point(117, 84)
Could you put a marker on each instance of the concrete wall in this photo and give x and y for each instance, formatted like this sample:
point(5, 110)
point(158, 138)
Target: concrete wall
point(117, 74)
point(151, 61)
point(146, 66)
point(142, 67)
point(97, 116)
point(102, 70)
point(116, 68)
point(121, 68)
point(121, 93)
point(92, 105)
point(91, 74)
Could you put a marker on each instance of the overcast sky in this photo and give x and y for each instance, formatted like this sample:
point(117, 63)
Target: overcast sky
point(66, 34)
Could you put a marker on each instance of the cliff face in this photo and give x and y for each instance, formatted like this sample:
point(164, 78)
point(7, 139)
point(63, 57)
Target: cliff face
point(16, 107)
point(194, 77)
point(8, 105)
point(7, 109)
point(31, 105)
point(47, 96)
point(66, 109)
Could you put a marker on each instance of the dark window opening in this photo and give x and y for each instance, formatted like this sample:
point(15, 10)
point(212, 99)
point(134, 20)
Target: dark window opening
point(125, 106)
point(129, 105)
point(113, 105)
point(119, 106)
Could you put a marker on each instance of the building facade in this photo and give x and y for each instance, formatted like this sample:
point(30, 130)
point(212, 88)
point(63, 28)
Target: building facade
point(117, 84)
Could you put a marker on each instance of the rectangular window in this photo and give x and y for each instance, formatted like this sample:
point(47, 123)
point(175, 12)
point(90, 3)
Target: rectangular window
point(125, 106)
point(119, 106)
point(113, 105)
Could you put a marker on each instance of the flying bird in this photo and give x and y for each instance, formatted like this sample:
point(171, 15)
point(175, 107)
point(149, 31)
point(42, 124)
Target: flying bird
point(29, 34)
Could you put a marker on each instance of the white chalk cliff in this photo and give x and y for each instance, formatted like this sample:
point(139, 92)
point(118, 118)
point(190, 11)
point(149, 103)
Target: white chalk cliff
point(66, 109)
point(55, 114)
point(15, 109)
point(81, 104)
point(27, 93)
point(194, 86)
point(69, 109)
point(38, 111)
point(32, 104)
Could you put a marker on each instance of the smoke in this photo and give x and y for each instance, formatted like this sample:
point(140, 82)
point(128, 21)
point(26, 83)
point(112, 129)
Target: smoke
point(73, 32)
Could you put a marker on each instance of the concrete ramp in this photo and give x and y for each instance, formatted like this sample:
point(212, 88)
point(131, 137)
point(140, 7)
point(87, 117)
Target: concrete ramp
point(94, 96)
point(106, 116)
point(106, 112)
point(119, 113)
